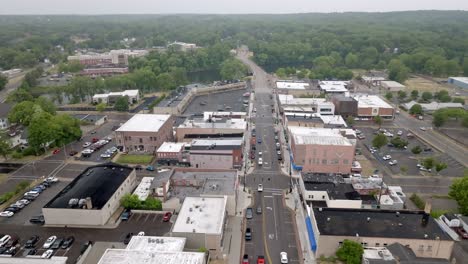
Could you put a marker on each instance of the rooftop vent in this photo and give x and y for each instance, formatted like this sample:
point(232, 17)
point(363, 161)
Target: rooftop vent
point(368, 219)
point(320, 209)
point(357, 235)
point(400, 224)
point(188, 220)
point(397, 214)
point(190, 209)
point(426, 236)
point(73, 202)
point(328, 219)
point(193, 230)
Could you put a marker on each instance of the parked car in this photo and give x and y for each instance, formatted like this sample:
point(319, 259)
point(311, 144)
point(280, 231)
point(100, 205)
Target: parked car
point(106, 155)
point(399, 133)
point(11, 251)
point(73, 153)
point(13, 209)
point(248, 234)
point(462, 232)
point(387, 157)
point(7, 214)
point(245, 259)
point(393, 162)
point(284, 257)
point(24, 201)
point(259, 210)
point(260, 260)
point(4, 240)
point(126, 215)
point(259, 141)
point(150, 168)
point(56, 151)
point(260, 161)
point(39, 219)
point(248, 213)
point(12, 242)
point(48, 243)
point(422, 168)
point(57, 243)
point(31, 251)
point(85, 246)
point(260, 187)
point(19, 205)
point(31, 242)
point(48, 254)
point(167, 216)
point(68, 242)
point(94, 140)
point(51, 180)
point(86, 144)
point(127, 238)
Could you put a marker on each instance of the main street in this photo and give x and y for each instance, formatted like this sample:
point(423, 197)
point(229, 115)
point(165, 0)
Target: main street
point(273, 230)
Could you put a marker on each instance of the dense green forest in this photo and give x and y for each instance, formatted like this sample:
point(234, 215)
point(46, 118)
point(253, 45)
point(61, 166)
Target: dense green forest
point(430, 42)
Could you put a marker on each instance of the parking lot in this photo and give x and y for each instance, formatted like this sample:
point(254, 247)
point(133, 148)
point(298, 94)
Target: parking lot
point(231, 101)
point(406, 158)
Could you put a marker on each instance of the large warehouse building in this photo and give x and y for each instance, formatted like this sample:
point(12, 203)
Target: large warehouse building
point(92, 197)
point(461, 82)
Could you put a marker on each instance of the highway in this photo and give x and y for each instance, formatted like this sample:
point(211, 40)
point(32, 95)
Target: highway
point(273, 230)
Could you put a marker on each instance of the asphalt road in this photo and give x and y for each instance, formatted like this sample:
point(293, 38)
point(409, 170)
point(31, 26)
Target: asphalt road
point(273, 230)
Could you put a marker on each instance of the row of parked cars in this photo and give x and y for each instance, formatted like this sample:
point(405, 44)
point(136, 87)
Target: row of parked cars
point(96, 144)
point(9, 245)
point(28, 197)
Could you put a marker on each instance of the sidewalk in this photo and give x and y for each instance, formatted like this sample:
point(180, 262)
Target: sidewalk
point(293, 202)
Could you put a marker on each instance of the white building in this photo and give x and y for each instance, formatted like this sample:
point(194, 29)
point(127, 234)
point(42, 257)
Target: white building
point(370, 106)
point(201, 220)
point(110, 98)
point(143, 189)
point(284, 84)
point(392, 86)
point(461, 82)
point(334, 87)
point(214, 128)
point(289, 103)
point(432, 106)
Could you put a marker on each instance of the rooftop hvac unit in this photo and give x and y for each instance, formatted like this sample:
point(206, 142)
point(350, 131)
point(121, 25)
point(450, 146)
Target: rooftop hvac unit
point(82, 202)
point(188, 220)
point(161, 241)
point(73, 202)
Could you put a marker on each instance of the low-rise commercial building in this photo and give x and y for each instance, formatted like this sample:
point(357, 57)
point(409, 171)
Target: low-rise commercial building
point(296, 88)
point(313, 120)
point(289, 103)
point(432, 106)
point(115, 57)
point(345, 105)
point(335, 87)
point(201, 220)
point(171, 153)
point(216, 154)
point(92, 197)
point(103, 71)
point(380, 228)
point(322, 150)
point(392, 86)
point(373, 80)
point(110, 98)
point(370, 106)
point(145, 133)
point(461, 82)
point(212, 128)
point(95, 120)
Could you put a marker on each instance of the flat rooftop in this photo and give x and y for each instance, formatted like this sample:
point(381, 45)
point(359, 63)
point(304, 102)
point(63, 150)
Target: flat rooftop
point(334, 86)
point(460, 79)
point(334, 185)
point(143, 188)
point(319, 136)
point(207, 115)
point(335, 120)
point(171, 147)
point(292, 85)
point(234, 123)
point(382, 223)
point(29, 260)
point(366, 101)
point(144, 123)
point(97, 182)
point(392, 84)
point(288, 99)
point(215, 144)
point(123, 256)
point(203, 215)
point(157, 244)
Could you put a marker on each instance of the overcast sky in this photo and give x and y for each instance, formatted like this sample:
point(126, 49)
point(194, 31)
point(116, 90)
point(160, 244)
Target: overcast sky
point(220, 6)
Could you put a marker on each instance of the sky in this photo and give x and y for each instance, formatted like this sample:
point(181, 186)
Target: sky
point(220, 6)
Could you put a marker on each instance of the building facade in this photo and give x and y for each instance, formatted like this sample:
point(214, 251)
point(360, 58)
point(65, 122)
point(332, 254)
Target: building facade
point(370, 106)
point(145, 133)
point(216, 154)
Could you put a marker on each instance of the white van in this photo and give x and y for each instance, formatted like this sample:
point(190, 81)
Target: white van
point(4, 240)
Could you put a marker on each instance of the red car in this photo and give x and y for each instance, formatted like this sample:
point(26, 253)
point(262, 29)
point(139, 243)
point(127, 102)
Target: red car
point(261, 260)
point(95, 140)
point(167, 217)
point(245, 259)
point(462, 232)
point(56, 151)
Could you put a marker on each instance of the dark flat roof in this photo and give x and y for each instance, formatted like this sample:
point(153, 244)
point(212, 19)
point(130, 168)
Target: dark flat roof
point(406, 255)
point(335, 191)
point(383, 223)
point(98, 182)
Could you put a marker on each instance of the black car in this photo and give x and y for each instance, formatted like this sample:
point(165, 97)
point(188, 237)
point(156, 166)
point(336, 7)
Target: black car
point(127, 238)
point(37, 220)
point(29, 197)
point(12, 242)
point(85, 246)
point(31, 242)
point(31, 251)
point(12, 209)
point(57, 243)
point(68, 242)
point(11, 251)
point(3, 250)
point(248, 234)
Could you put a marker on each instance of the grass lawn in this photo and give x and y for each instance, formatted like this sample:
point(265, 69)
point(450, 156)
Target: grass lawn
point(135, 159)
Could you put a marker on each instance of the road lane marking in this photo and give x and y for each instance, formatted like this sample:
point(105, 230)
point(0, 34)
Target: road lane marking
point(264, 237)
point(267, 196)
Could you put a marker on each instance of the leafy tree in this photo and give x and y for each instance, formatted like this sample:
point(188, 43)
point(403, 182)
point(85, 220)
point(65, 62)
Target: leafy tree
point(440, 166)
point(398, 142)
point(5, 145)
point(19, 95)
point(414, 94)
point(281, 72)
point(351, 60)
point(428, 163)
point(389, 95)
point(101, 107)
point(416, 109)
point(397, 71)
point(416, 150)
point(379, 141)
point(67, 129)
point(233, 69)
point(402, 95)
point(426, 96)
point(72, 67)
point(130, 201)
point(459, 100)
point(3, 81)
point(121, 104)
point(459, 192)
point(46, 105)
point(164, 81)
point(350, 120)
point(41, 131)
point(23, 112)
point(350, 252)
point(378, 120)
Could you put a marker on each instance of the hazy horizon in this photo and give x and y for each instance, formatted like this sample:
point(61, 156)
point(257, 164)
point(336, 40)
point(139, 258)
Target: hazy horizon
point(112, 7)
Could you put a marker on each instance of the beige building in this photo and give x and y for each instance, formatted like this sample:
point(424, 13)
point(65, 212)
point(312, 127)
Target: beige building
point(92, 197)
point(145, 133)
point(380, 228)
point(201, 220)
point(370, 106)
